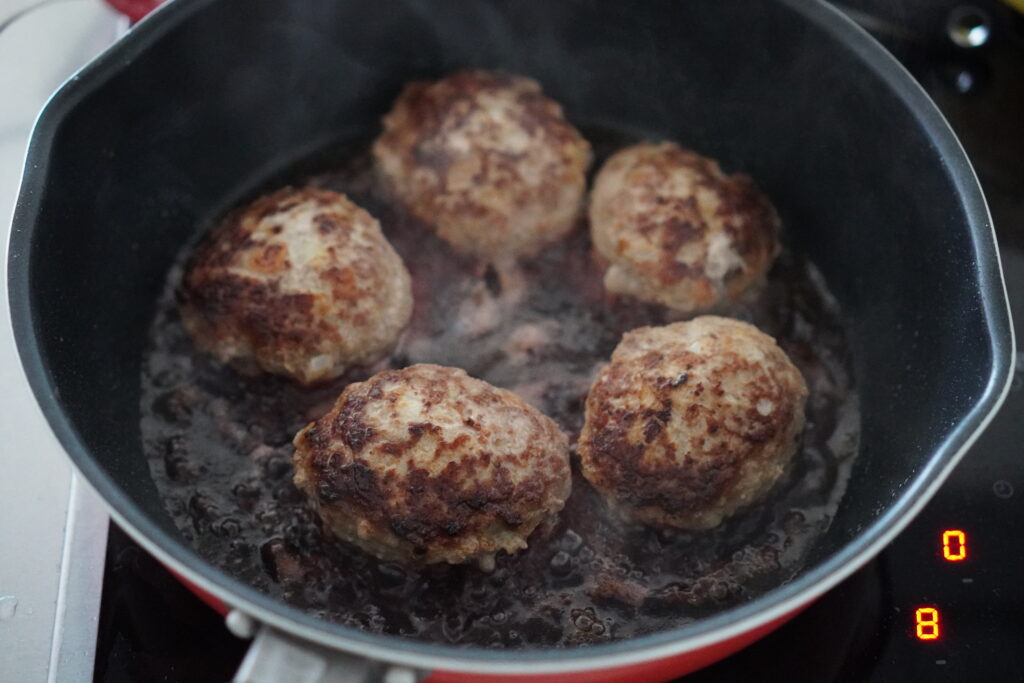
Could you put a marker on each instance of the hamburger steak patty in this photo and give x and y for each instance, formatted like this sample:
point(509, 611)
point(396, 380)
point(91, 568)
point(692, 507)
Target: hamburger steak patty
point(300, 283)
point(428, 464)
point(676, 231)
point(691, 422)
point(487, 160)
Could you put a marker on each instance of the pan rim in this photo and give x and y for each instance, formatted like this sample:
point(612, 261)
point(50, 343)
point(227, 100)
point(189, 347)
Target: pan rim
point(728, 624)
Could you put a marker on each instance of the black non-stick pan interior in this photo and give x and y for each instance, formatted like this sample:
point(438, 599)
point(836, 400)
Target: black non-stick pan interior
point(212, 96)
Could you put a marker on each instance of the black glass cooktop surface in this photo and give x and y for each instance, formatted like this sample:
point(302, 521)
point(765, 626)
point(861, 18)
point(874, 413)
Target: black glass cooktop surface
point(945, 602)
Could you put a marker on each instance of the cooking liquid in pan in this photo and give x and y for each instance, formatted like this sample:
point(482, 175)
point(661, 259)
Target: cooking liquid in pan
point(219, 448)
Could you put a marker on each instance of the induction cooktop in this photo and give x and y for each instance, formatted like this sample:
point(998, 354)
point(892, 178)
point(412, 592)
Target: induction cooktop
point(945, 602)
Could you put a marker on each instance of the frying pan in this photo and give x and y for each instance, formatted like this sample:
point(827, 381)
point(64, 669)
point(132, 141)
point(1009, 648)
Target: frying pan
point(204, 98)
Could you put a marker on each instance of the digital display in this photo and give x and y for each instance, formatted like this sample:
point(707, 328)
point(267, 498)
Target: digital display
point(954, 545)
point(926, 623)
point(927, 620)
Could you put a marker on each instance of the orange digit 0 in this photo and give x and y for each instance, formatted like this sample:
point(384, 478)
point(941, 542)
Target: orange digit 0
point(927, 622)
point(954, 545)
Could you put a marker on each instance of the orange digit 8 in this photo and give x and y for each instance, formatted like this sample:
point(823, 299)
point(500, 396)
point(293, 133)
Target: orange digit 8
point(926, 620)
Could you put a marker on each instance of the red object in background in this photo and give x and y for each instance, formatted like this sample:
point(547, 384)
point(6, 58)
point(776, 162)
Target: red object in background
point(135, 9)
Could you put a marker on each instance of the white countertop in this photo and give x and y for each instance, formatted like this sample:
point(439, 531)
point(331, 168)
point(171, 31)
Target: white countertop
point(37, 53)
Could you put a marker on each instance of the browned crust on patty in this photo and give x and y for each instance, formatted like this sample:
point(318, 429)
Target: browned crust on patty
point(678, 231)
point(674, 435)
point(248, 301)
point(486, 159)
point(428, 464)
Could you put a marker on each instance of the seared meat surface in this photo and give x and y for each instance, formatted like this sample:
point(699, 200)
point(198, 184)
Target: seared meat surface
point(428, 464)
point(691, 422)
point(301, 282)
point(485, 159)
point(674, 230)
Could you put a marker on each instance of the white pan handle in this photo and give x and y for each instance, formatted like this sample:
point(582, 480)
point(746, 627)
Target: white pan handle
point(274, 657)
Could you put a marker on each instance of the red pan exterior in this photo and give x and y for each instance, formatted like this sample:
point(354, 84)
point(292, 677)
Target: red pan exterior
point(211, 600)
point(653, 671)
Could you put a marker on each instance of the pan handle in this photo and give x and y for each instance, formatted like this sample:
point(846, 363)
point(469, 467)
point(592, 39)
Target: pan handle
point(274, 657)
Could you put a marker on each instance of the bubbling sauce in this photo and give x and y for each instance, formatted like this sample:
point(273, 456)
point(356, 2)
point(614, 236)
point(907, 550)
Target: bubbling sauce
point(219, 449)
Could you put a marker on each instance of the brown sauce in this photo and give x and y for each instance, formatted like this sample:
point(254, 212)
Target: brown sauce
point(219, 448)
